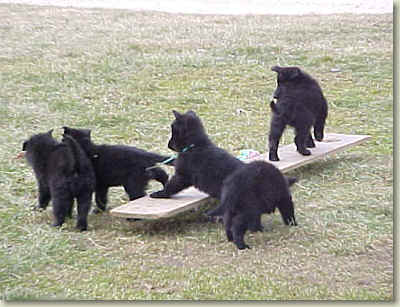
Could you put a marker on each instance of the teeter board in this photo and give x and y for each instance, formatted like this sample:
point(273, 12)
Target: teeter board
point(155, 208)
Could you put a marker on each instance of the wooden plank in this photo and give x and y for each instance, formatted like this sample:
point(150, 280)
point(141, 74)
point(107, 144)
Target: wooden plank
point(332, 143)
point(155, 208)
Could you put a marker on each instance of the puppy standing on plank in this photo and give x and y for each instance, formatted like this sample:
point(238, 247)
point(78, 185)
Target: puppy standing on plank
point(214, 171)
point(300, 104)
point(200, 162)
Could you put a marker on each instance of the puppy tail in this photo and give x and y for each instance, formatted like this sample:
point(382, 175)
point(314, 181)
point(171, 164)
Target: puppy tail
point(74, 147)
point(220, 210)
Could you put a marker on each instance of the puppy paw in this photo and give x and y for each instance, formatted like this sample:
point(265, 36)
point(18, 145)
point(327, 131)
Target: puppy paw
point(319, 136)
point(291, 222)
point(273, 157)
point(310, 144)
point(98, 211)
point(305, 152)
point(256, 229)
point(211, 219)
point(243, 246)
point(81, 227)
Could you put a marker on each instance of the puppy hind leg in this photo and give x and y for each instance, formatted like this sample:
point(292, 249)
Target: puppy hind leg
point(239, 227)
point(61, 205)
point(255, 224)
point(84, 203)
point(135, 189)
point(276, 129)
point(228, 225)
point(309, 141)
point(101, 199)
point(300, 141)
point(319, 129)
point(69, 211)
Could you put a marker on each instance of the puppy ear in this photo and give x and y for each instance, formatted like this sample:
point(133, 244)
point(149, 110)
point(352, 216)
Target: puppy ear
point(50, 132)
point(24, 145)
point(191, 113)
point(177, 114)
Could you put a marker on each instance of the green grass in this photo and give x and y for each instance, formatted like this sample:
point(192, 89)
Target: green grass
point(121, 74)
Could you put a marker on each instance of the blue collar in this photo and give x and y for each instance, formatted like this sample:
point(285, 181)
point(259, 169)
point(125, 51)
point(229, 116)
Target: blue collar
point(173, 157)
point(187, 148)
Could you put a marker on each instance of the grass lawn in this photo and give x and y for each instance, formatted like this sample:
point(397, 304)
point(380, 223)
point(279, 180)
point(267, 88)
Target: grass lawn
point(121, 73)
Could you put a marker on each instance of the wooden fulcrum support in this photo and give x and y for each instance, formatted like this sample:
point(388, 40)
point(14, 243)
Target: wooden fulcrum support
point(155, 208)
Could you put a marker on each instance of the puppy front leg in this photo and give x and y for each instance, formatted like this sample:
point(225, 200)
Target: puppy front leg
point(44, 196)
point(101, 198)
point(175, 185)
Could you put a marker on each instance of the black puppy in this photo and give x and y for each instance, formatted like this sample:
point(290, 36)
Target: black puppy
point(200, 163)
point(250, 191)
point(300, 104)
point(117, 165)
point(63, 173)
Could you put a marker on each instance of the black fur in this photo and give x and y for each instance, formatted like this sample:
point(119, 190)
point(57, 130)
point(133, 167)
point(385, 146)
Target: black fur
point(250, 191)
point(300, 104)
point(119, 165)
point(63, 173)
point(202, 164)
